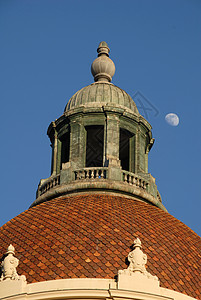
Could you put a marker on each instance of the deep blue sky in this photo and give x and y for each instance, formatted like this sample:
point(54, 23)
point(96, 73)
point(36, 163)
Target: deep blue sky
point(47, 47)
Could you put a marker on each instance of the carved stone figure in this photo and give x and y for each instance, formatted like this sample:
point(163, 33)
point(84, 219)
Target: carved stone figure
point(137, 260)
point(9, 265)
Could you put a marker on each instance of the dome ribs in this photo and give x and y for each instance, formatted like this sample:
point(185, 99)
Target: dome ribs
point(101, 92)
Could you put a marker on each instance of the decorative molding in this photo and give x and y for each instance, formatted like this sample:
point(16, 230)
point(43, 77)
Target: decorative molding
point(89, 186)
point(82, 289)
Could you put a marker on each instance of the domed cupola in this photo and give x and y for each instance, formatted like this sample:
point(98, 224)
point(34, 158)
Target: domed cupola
point(105, 233)
point(101, 142)
point(102, 91)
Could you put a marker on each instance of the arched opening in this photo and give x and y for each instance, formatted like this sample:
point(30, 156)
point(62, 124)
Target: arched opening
point(125, 150)
point(94, 146)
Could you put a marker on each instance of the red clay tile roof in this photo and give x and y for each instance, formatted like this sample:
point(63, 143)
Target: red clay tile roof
point(91, 235)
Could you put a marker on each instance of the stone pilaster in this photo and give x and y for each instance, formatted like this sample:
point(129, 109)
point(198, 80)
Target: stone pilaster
point(112, 139)
point(112, 147)
point(54, 153)
point(140, 152)
point(77, 142)
point(58, 155)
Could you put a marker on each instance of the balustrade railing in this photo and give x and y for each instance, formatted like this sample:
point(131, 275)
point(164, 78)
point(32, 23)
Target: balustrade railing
point(47, 185)
point(135, 180)
point(95, 173)
point(91, 173)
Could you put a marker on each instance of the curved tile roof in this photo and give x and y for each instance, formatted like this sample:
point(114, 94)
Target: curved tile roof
point(90, 236)
point(101, 93)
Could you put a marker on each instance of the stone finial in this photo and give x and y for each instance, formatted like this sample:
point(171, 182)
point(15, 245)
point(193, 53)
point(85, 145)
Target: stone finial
point(9, 265)
point(137, 260)
point(103, 68)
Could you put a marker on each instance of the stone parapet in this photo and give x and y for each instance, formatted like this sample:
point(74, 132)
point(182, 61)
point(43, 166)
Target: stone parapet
point(98, 179)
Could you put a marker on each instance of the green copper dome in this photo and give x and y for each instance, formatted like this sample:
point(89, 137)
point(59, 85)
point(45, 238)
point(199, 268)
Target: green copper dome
point(99, 94)
point(102, 92)
point(101, 142)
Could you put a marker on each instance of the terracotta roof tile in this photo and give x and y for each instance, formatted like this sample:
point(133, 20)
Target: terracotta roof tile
point(91, 235)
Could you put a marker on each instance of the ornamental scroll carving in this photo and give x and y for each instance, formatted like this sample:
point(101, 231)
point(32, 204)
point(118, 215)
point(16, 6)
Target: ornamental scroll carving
point(9, 265)
point(137, 260)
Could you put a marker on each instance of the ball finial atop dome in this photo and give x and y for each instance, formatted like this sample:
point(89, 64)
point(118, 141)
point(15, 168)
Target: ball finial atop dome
point(103, 68)
point(103, 48)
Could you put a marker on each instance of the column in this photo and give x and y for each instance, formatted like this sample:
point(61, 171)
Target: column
point(112, 146)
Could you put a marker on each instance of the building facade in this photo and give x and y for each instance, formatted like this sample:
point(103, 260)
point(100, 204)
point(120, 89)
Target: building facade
point(98, 228)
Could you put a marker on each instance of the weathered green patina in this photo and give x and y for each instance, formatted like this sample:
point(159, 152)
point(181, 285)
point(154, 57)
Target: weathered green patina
point(121, 165)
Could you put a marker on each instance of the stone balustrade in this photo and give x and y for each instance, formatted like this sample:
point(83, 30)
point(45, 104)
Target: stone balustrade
point(91, 173)
point(135, 180)
point(99, 178)
point(46, 185)
point(96, 175)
